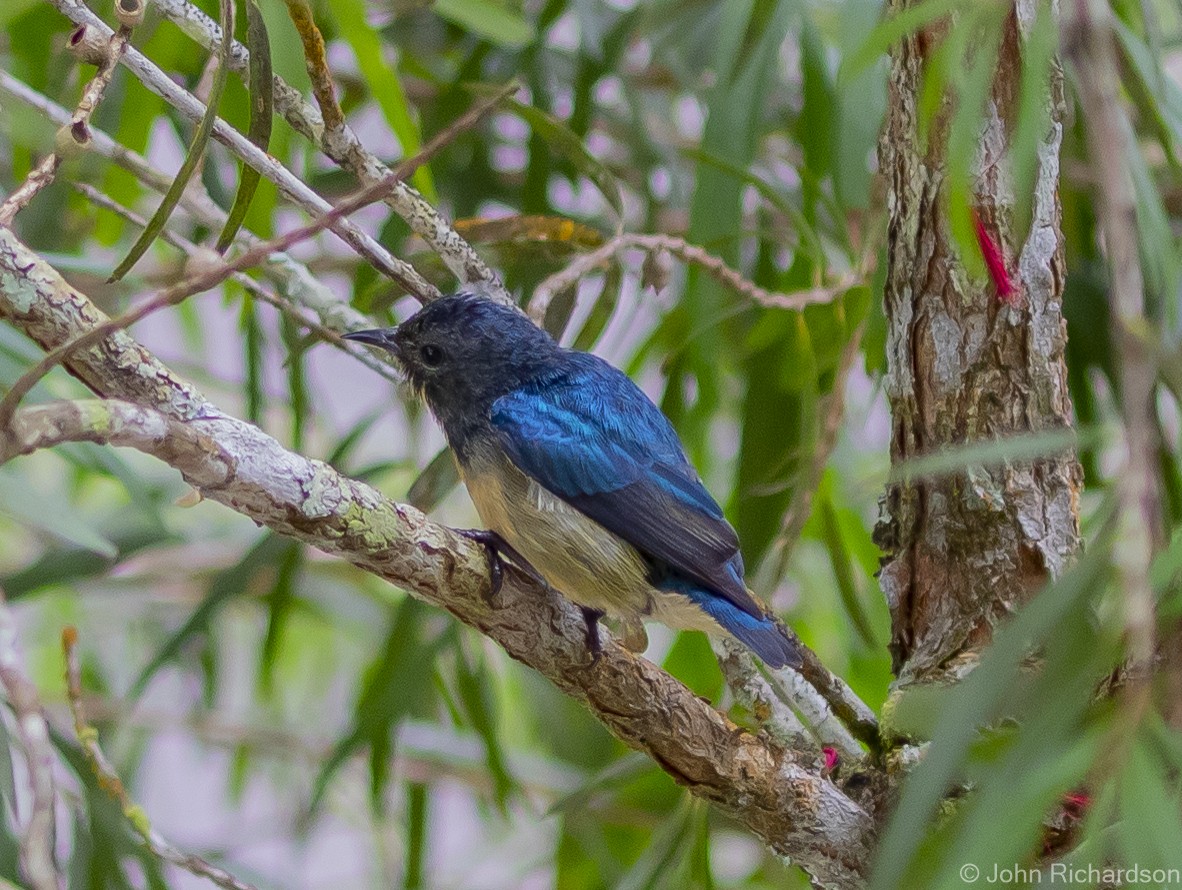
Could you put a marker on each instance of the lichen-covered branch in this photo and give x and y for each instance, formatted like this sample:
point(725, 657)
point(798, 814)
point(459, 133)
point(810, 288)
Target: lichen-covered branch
point(783, 799)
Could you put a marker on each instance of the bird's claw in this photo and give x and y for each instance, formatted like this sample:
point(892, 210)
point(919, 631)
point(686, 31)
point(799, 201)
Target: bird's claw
point(497, 549)
point(594, 643)
point(493, 545)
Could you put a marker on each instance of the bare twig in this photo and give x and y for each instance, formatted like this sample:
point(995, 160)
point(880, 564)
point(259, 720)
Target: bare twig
point(75, 136)
point(37, 843)
point(108, 779)
point(190, 249)
point(344, 148)
point(93, 94)
point(565, 278)
point(294, 281)
point(39, 177)
point(289, 185)
point(316, 63)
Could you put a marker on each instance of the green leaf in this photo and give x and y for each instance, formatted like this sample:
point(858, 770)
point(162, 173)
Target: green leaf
point(232, 582)
point(979, 698)
point(602, 309)
point(745, 75)
point(261, 117)
point(895, 28)
point(1147, 799)
point(280, 602)
point(416, 834)
point(384, 85)
point(480, 706)
point(488, 20)
point(435, 482)
point(47, 514)
point(397, 685)
point(563, 139)
point(196, 149)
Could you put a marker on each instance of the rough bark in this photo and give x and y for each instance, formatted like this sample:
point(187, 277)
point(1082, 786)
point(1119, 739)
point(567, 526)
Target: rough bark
point(963, 551)
point(779, 794)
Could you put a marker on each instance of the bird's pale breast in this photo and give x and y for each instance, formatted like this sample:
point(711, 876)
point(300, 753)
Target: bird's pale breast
point(575, 554)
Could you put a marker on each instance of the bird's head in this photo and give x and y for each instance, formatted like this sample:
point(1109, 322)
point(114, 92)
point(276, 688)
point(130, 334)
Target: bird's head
point(462, 352)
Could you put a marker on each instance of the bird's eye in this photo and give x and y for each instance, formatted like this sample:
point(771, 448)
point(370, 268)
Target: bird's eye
point(432, 355)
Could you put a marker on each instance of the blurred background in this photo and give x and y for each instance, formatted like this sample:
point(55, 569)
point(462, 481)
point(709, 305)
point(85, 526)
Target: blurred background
point(309, 726)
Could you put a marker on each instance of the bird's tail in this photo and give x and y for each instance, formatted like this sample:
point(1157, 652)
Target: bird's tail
point(764, 635)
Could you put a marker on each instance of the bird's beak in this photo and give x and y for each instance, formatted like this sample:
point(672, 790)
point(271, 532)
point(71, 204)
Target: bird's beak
point(383, 337)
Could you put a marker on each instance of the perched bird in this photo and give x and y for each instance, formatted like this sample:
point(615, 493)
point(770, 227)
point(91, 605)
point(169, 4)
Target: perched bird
point(573, 467)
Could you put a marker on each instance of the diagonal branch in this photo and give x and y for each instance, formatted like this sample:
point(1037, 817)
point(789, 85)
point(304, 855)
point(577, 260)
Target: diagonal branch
point(797, 811)
point(292, 278)
point(288, 183)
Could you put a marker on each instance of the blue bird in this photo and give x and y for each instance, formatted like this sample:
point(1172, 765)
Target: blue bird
point(573, 467)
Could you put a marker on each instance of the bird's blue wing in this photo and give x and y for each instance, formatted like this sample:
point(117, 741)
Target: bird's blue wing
point(591, 437)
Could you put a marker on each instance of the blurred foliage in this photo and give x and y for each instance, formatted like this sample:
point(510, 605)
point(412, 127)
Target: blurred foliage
point(251, 689)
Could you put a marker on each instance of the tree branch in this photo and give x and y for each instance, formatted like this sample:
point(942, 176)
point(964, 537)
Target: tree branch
point(292, 278)
point(795, 810)
point(567, 277)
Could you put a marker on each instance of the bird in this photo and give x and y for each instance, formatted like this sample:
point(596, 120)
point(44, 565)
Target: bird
point(576, 473)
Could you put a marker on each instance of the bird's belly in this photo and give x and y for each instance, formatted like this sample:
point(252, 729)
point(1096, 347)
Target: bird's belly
point(575, 554)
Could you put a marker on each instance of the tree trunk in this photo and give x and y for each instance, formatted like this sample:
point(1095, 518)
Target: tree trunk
point(962, 551)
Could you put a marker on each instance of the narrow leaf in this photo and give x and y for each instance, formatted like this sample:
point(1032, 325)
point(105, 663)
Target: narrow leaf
point(196, 149)
point(488, 20)
point(261, 117)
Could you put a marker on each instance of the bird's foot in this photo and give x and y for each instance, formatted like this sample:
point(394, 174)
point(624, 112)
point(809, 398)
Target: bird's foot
point(594, 644)
point(497, 549)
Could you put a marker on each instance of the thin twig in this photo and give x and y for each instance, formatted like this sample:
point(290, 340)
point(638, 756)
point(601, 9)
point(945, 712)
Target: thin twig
point(300, 12)
point(205, 279)
point(94, 91)
point(295, 282)
point(78, 131)
point(257, 290)
point(289, 185)
point(346, 150)
point(37, 843)
point(108, 779)
point(567, 277)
